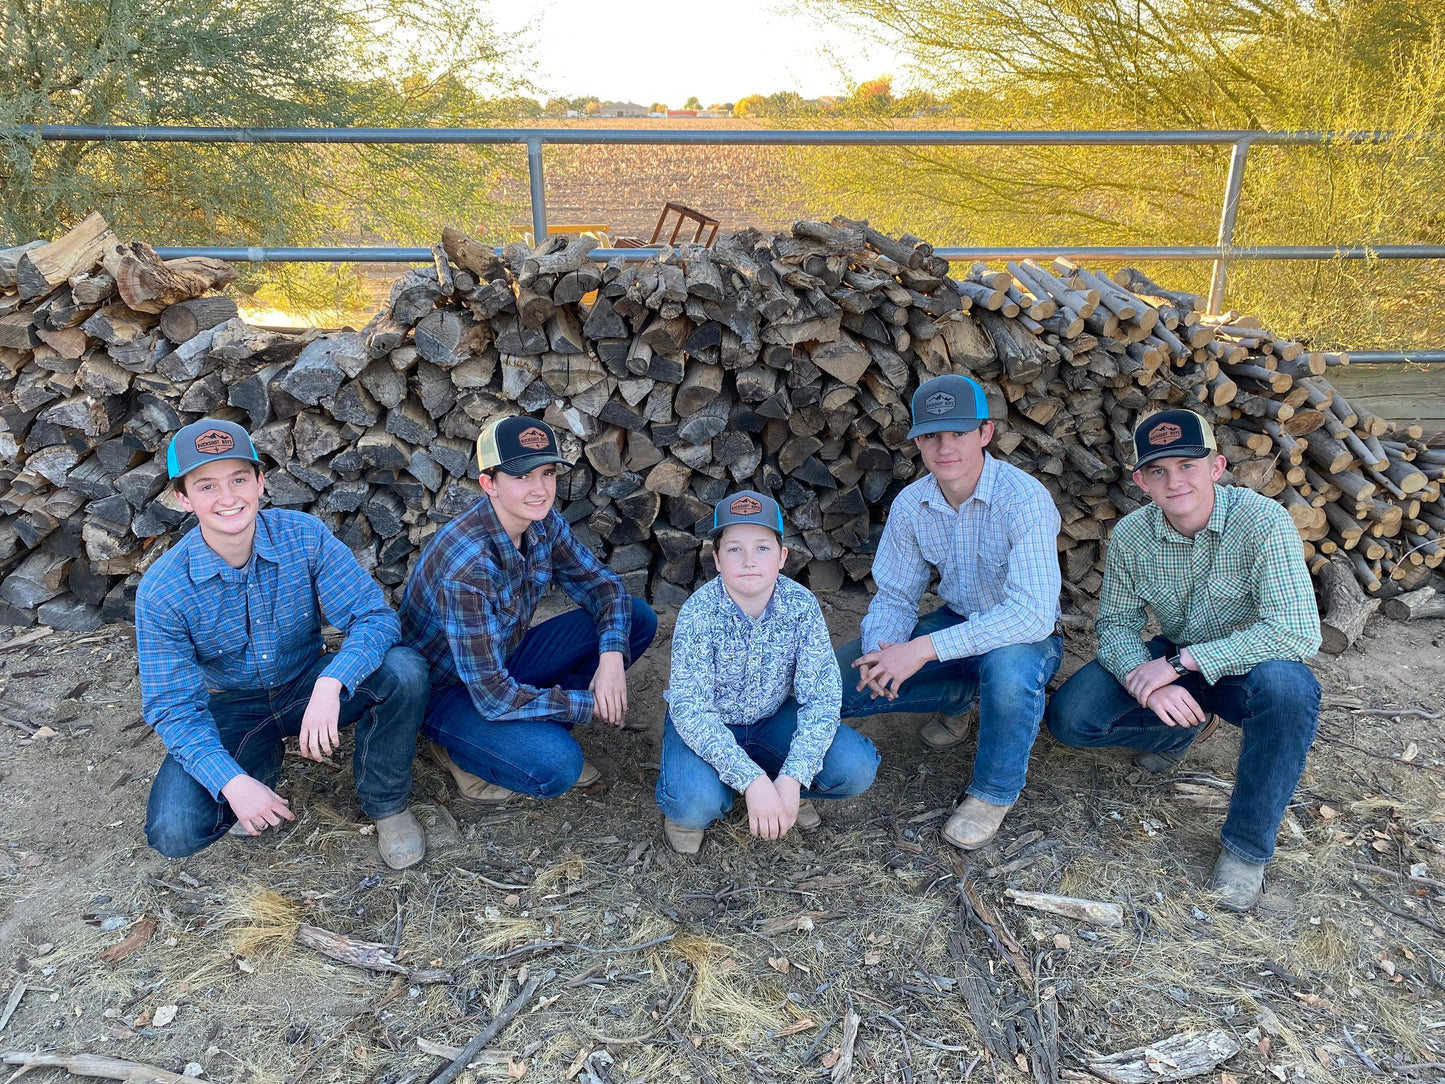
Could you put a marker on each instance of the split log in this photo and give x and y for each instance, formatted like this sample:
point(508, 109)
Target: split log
point(1346, 609)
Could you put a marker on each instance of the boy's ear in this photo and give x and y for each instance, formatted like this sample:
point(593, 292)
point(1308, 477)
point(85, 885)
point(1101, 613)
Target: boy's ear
point(783, 556)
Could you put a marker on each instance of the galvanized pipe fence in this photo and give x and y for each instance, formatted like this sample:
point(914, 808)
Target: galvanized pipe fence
point(1222, 253)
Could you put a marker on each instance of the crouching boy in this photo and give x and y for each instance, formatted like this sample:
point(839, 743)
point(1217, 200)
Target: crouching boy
point(755, 691)
point(228, 630)
point(1222, 569)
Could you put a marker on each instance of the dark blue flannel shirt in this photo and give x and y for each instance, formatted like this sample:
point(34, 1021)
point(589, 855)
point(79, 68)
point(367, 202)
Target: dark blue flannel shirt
point(471, 599)
point(203, 626)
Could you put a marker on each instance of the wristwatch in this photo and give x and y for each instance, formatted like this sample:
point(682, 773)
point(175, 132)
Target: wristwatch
point(1178, 664)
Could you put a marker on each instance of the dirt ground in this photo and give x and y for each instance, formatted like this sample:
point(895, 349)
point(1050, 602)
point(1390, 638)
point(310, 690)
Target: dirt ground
point(744, 964)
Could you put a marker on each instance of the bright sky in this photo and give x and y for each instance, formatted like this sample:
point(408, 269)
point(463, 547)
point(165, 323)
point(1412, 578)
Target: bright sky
point(649, 51)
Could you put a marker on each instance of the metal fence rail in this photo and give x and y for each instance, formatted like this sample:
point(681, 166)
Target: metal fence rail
point(1221, 253)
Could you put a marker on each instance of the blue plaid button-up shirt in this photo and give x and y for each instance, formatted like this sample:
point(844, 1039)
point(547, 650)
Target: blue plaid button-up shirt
point(996, 558)
point(472, 596)
point(731, 670)
point(203, 626)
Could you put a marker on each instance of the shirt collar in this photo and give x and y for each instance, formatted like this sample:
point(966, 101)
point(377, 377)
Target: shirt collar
point(206, 564)
point(731, 606)
point(982, 491)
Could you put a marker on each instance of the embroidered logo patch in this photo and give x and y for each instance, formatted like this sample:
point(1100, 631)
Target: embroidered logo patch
point(1165, 433)
point(745, 506)
point(215, 442)
point(940, 402)
point(534, 439)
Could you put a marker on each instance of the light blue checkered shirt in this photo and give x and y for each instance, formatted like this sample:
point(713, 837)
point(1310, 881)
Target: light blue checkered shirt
point(996, 558)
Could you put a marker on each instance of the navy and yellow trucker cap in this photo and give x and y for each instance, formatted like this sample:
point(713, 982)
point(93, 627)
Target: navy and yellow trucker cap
point(948, 404)
point(206, 441)
point(1174, 432)
point(747, 506)
point(518, 446)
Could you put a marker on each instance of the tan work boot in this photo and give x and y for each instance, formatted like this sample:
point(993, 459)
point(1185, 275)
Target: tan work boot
point(472, 787)
point(680, 839)
point(808, 817)
point(1161, 763)
point(1239, 884)
point(401, 840)
point(946, 731)
point(974, 824)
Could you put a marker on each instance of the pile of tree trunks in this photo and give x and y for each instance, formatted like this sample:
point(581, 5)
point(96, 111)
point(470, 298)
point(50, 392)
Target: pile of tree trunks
point(782, 363)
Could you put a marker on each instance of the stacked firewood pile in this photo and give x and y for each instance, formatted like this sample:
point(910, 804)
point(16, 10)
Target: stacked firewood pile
point(782, 363)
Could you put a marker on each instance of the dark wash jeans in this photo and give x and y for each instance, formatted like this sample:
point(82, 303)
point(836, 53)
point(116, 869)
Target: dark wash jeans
point(690, 794)
point(1276, 707)
point(1008, 682)
point(540, 758)
point(386, 710)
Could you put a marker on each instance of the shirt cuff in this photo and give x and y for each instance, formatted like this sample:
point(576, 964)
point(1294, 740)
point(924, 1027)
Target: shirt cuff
point(214, 771)
point(1120, 665)
point(612, 640)
point(740, 776)
point(800, 770)
point(951, 643)
point(580, 705)
point(1212, 663)
point(348, 672)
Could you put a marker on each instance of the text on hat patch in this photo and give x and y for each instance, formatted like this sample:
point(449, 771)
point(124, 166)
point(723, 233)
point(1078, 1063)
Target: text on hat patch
point(745, 506)
point(940, 402)
point(533, 438)
point(1165, 433)
point(214, 442)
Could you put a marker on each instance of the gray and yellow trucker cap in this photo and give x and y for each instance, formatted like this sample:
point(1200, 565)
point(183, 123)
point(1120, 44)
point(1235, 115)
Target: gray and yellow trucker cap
point(518, 446)
point(747, 506)
point(1175, 432)
point(206, 441)
point(948, 404)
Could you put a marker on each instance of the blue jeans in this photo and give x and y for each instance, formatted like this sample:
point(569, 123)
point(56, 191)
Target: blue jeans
point(1008, 683)
point(386, 709)
point(1276, 707)
point(531, 757)
point(690, 794)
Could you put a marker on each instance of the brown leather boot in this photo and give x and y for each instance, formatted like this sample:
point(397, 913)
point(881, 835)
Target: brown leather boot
point(974, 824)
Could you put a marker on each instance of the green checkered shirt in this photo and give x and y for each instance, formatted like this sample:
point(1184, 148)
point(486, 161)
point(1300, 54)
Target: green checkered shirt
point(1236, 594)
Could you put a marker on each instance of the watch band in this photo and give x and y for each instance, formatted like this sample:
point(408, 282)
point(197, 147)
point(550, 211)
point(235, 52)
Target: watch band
point(1178, 664)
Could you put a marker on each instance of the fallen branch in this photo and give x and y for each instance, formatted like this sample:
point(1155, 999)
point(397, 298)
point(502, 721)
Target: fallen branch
point(492, 1030)
point(1178, 1057)
point(133, 1072)
point(1380, 756)
point(368, 955)
point(1370, 867)
point(1100, 914)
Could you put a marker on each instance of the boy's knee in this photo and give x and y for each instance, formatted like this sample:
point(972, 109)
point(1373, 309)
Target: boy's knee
point(694, 810)
point(850, 773)
point(644, 627)
point(555, 777)
point(173, 837)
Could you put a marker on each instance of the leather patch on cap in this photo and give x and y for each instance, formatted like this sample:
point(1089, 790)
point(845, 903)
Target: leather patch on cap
point(215, 442)
point(745, 506)
point(1165, 433)
point(940, 402)
point(534, 438)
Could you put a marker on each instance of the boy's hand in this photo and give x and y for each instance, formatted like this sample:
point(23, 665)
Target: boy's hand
point(1175, 705)
point(790, 792)
point(766, 815)
point(885, 670)
point(320, 735)
point(257, 806)
point(609, 689)
point(1142, 681)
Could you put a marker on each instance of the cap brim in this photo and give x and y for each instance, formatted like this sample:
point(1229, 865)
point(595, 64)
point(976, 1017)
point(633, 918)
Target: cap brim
point(214, 459)
point(1188, 451)
point(525, 464)
point(946, 425)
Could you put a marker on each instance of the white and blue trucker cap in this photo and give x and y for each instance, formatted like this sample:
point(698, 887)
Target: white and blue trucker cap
point(948, 404)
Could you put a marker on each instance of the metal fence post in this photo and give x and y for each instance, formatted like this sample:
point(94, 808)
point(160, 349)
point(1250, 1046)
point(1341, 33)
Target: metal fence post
point(538, 189)
point(1227, 219)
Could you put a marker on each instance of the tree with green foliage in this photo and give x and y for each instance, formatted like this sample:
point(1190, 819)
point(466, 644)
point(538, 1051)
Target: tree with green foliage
point(263, 63)
point(1339, 65)
point(692, 103)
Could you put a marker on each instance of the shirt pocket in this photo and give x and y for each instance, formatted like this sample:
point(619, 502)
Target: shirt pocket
point(1167, 602)
point(1233, 602)
point(220, 640)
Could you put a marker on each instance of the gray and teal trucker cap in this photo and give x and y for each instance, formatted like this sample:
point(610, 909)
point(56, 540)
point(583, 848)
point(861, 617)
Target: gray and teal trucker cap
point(206, 441)
point(747, 506)
point(948, 404)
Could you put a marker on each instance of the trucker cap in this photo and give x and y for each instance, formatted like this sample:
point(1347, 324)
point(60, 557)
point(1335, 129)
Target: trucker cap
point(1181, 433)
point(206, 441)
point(518, 445)
point(948, 404)
point(747, 506)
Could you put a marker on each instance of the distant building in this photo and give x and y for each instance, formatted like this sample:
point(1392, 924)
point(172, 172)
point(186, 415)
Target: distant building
point(713, 113)
point(622, 109)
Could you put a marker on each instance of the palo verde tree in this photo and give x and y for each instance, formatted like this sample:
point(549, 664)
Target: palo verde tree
point(261, 63)
point(1334, 65)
